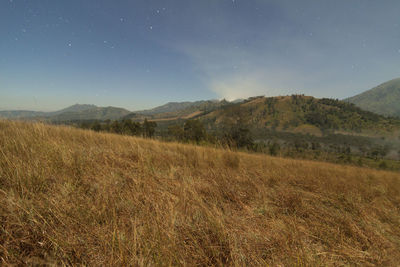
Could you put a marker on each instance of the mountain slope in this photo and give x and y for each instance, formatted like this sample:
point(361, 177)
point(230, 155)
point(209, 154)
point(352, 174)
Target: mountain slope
point(72, 113)
point(178, 110)
point(75, 108)
point(74, 197)
point(20, 114)
point(96, 113)
point(175, 106)
point(297, 112)
point(25, 114)
point(383, 99)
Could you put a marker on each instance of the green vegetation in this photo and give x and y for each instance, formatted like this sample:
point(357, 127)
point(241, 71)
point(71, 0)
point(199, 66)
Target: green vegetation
point(338, 148)
point(289, 113)
point(125, 127)
point(293, 126)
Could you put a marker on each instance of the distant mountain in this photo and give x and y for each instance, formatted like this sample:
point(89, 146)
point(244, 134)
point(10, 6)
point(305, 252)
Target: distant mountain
point(75, 108)
point(383, 99)
point(177, 106)
point(178, 110)
point(20, 114)
point(72, 113)
point(93, 113)
point(298, 113)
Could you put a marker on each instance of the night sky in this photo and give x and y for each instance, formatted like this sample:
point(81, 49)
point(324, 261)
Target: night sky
point(142, 53)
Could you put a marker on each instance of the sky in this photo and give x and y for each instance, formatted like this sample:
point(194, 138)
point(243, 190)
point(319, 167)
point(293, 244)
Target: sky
point(139, 54)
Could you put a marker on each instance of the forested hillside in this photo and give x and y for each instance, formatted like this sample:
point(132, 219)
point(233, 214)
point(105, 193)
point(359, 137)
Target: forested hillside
point(300, 113)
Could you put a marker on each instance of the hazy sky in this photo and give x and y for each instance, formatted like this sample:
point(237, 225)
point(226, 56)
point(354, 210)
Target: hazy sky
point(141, 53)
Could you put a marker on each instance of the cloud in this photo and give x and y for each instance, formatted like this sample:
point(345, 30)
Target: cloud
point(236, 88)
point(245, 85)
point(298, 52)
point(233, 71)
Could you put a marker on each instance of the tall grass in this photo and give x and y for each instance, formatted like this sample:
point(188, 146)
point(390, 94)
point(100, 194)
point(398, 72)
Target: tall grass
point(70, 196)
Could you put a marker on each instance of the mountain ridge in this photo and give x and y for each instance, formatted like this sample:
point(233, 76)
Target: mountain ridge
point(299, 113)
point(383, 99)
point(74, 112)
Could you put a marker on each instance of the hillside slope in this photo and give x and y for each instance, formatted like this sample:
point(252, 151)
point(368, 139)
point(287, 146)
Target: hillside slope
point(177, 110)
point(74, 108)
point(26, 114)
point(300, 113)
point(73, 197)
point(95, 113)
point(175, 106)
point(383, 99)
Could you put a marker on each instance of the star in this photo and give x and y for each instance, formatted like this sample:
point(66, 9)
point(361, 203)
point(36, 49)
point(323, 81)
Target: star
point(151, 27)
point(69, 45)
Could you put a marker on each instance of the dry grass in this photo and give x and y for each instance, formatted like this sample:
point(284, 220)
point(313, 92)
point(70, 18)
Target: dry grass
point(71, 197)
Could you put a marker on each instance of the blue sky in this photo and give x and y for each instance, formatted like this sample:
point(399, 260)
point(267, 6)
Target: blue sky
point(143, 53)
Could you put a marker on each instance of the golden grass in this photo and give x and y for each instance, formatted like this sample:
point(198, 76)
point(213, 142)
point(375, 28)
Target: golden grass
point(72, 197)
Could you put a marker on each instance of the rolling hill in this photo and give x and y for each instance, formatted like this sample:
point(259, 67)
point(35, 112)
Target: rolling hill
point(176, 106)
point(95, 113)
point(296, 113)
point(178, 110)
point(76, 197)
point(383, 99)
point(74, 108)
point(299, 113)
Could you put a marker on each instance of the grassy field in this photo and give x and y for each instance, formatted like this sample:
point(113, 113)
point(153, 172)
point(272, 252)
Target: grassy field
point(70, 196)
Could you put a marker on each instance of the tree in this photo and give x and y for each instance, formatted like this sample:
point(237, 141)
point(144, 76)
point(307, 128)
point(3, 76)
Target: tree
point(177, 132)
point(194, 130)
point(274, 148)
point(236, 133)
point(242, 137)
point(300, 145)
point(116, 127)
point(149, 128)
point(131, 128)
point(96, 126)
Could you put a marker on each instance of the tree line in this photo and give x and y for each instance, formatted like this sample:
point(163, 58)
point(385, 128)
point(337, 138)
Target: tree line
point(126, 127)
point(238, 136)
